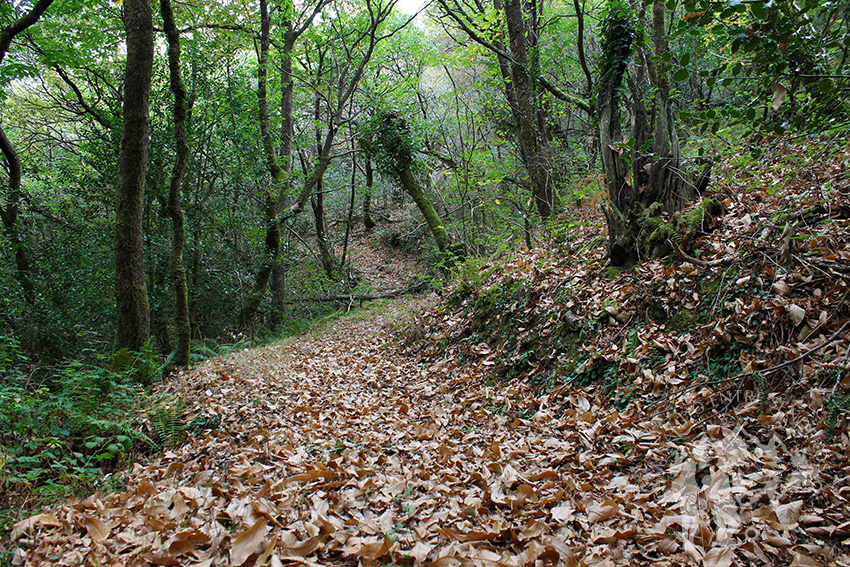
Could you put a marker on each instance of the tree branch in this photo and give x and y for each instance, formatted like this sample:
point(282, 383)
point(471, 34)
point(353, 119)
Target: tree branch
point(19, 25)
point(539, 79)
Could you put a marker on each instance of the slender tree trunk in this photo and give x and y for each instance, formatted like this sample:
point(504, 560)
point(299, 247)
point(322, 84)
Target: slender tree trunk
point(532, 144)
point(279, 177)
point(350, 218)
point(175, 211)
point(411, 185)
point(9, 214)
point(368, 222)
point(11, 227)
point(318, 203)
point(133, 312)
point(284, 159)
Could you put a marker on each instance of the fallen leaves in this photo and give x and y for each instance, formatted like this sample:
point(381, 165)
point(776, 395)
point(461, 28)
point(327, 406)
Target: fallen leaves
point(344, 449)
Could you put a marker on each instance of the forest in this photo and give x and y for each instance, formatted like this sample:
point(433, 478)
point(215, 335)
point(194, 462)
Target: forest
point(642, 206)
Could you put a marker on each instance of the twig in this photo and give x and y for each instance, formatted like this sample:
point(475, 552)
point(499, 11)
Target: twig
point(770, 370)
point(696, 261)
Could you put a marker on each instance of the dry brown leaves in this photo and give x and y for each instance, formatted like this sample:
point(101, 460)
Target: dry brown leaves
point(343, 449)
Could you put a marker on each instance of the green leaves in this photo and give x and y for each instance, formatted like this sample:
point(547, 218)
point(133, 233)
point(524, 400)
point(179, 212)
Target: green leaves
point(764, 44)
point(387, 139)
point(53, 438)
point(681, 75)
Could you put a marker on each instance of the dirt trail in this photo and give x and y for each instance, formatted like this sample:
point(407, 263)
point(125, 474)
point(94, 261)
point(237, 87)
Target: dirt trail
point(342, 449)
point(335, 449)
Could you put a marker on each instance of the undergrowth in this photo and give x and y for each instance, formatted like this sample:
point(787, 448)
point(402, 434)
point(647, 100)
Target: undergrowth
point(60, 430)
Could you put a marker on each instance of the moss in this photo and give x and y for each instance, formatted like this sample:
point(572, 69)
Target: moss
point(709, 288)
point(681, 228)
point(687, 319)
point(493, 305)
point(656, 313)
point(613, 272)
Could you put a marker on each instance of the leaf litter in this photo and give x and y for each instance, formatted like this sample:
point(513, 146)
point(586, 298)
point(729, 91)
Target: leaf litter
point(350, 448)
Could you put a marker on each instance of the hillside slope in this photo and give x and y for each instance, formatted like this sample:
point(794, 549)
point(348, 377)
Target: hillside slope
point(553, 412)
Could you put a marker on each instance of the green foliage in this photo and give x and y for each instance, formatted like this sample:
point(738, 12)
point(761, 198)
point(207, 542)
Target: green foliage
point(834, 407)
point(469, 277)
point(166, 415)
point(388, 140)
point(58, 431)
point(142, 367)
point(783, 63)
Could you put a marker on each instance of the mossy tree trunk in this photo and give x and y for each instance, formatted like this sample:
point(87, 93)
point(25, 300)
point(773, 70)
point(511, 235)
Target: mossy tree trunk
point(387, 139)
point(414, 189)
point(526, 106)
point(657, 173)
point(516, 49)
point(133, 312)
point(175, 210)
point(279, 166)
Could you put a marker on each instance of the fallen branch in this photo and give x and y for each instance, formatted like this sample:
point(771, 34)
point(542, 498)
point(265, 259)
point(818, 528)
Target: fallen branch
point(679, 393)
point(696, 261)
point(350, 298)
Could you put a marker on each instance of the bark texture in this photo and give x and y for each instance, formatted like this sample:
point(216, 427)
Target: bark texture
point(9, 213)
point(279, 175)
point(175, 211)
point(429, 213)
point(515, 48)
point(658, 180)
point(133, 313)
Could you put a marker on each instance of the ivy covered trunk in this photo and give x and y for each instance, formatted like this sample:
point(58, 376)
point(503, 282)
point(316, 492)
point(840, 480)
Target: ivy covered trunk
point(133, 312)
point(653, 179)
point(387, 140)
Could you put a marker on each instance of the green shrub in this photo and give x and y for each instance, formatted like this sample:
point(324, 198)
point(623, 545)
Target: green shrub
point(58, 431)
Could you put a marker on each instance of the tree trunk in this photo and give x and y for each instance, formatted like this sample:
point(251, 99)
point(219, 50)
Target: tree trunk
point(368, 222)
point(411, 185)
point(9, 214)
point(352, 195)
point(522, 93)
point(133, 314)
point(657, 177)
point(279, 175)
point(318, 203)
point(175, 211)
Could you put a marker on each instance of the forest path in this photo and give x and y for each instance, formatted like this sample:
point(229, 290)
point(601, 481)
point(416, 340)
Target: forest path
point(341, 448)
point(336, 448)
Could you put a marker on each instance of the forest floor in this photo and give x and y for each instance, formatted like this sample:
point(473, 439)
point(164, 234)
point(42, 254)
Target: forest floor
point(536, 414)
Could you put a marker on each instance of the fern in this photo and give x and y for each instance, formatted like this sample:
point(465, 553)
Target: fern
point(167, 421)
point(834, 407)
